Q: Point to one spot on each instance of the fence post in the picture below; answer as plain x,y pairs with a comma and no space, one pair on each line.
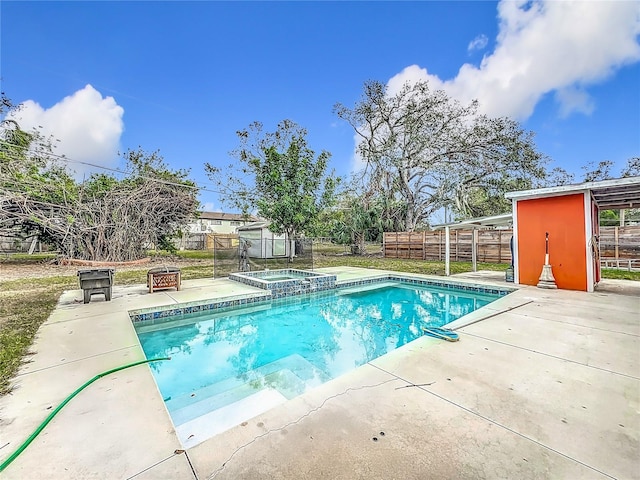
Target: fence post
384,243
214,259
396,244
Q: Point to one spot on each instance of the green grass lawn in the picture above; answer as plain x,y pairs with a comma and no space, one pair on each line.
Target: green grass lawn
186,254
13,258
620,274
401,265
25,304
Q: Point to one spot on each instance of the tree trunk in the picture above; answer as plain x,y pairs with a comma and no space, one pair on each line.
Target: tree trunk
410,217
288,238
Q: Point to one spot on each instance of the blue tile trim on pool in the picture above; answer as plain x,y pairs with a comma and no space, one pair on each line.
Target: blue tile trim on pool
301,281
427,282
160,313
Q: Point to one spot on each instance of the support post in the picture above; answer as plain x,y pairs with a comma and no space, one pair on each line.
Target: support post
474,249
447,250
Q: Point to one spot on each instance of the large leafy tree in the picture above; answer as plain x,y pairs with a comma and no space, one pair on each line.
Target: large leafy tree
363,213
278,176
104,218
632,168
602,171
437,151
595,173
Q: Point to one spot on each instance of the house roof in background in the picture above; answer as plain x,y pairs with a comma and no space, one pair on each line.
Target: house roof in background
255,225
616,194
235,217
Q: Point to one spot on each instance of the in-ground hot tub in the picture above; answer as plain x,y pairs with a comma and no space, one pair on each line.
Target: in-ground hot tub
288,281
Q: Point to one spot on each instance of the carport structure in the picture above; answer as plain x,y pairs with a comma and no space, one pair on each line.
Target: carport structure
503,220
570,215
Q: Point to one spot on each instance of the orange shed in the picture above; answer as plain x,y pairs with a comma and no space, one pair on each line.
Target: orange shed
570,215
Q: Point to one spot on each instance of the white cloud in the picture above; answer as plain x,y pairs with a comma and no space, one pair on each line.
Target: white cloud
412,74
574,99
478,43
544,47
85,127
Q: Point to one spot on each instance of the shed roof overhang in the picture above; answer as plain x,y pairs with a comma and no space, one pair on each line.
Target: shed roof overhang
504,219
253,226
616,194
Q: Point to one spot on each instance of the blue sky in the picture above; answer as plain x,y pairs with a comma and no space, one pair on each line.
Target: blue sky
182,77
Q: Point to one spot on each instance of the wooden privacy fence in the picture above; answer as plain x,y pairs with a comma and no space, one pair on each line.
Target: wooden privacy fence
620,242
222,240
494,245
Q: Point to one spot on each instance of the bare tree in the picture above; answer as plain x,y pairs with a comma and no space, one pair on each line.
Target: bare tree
102,219
436,149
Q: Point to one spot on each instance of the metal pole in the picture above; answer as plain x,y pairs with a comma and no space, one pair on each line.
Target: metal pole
447,251
474,248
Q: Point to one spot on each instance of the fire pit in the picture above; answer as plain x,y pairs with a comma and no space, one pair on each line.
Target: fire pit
161,278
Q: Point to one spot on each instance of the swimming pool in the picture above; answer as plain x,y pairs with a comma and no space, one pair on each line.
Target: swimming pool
230,365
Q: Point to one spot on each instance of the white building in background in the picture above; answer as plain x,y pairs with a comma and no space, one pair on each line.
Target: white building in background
219,222
264,243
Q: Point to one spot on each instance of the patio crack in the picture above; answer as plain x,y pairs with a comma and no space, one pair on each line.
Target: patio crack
175,453
294,422
496,423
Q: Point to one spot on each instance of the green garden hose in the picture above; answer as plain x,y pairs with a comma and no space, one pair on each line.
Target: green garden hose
26,443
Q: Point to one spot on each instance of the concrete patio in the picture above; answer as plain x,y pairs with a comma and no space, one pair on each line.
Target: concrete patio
543,384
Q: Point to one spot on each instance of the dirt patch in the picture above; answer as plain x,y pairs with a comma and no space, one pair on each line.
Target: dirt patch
95,263
16,271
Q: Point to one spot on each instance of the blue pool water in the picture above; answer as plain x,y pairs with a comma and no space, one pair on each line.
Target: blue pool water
261,355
